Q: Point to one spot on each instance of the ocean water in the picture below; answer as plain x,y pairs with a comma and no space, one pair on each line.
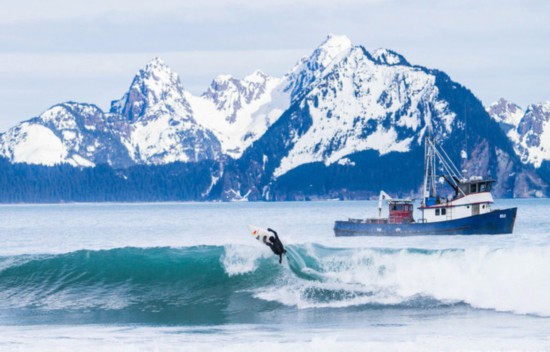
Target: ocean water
188,276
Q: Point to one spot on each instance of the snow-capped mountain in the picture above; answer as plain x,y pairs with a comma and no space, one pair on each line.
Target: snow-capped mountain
506,113
366,109
152,123
388,57
238,112
528,130
362,103
157,121
162,126
534,133
73,133
343,122
310,68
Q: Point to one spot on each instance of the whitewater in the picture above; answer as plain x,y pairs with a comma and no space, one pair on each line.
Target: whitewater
188,276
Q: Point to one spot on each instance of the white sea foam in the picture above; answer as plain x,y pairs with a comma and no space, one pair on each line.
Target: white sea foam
512,279
238,260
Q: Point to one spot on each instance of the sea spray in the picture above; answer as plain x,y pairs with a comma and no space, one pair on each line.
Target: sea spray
510,279
237,260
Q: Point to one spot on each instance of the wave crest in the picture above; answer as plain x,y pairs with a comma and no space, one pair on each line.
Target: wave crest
210,283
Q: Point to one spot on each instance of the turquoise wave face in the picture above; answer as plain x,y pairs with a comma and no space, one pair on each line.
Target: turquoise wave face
127,285
237,284
195,285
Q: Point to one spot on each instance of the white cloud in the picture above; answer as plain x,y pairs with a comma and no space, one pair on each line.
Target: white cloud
188,10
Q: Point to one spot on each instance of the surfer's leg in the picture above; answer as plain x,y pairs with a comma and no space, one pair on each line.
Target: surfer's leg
280,258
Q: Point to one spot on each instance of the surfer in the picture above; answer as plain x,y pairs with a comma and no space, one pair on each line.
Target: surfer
275,244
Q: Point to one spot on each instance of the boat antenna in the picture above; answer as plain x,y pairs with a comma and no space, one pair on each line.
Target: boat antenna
464,172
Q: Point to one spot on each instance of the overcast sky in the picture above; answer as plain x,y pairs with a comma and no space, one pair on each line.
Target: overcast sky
88,51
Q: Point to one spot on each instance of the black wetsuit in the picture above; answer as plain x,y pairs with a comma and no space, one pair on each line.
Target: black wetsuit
276,245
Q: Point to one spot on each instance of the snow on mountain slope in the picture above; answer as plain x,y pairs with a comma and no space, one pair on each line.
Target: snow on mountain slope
508,115
154,90
388,57
503,111
310,68
163,128
534,134
152,124
74,133
239,111
33,144
528,130
356,101
230,95
157,121
363,103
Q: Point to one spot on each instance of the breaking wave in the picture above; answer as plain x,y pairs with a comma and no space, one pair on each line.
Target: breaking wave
220,284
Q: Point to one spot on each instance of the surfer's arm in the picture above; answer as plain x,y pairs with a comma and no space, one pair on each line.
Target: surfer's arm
273,232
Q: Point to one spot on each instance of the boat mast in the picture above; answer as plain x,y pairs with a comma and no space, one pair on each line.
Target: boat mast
431,154
429,170
426,163
433,176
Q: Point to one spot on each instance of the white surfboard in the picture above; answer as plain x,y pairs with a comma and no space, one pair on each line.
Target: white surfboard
260,234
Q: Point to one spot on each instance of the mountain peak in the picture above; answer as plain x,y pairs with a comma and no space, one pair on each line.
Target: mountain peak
534,134
152,85
156,67
502,102
230,95
158,70
336,42
506,112
545,106
310,68
155,62
389,57
258,76
223,78
330,48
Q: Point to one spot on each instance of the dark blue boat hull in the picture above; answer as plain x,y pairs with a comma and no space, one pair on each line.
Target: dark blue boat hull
497,222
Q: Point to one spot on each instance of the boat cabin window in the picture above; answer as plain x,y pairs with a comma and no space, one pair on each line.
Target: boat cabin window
443,211
401,207
485,187
437,212
475,187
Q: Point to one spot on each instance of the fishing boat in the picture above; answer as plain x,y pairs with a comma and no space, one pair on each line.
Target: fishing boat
467,210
